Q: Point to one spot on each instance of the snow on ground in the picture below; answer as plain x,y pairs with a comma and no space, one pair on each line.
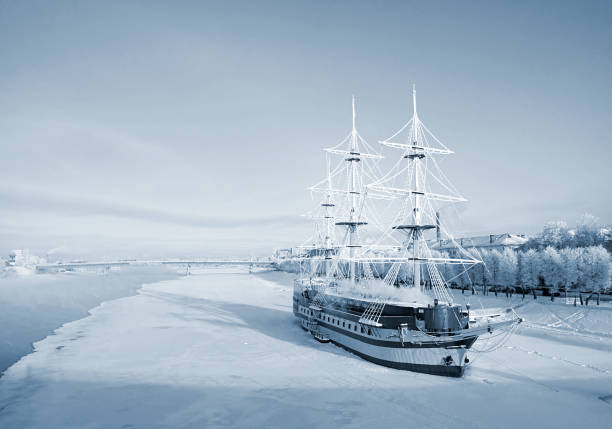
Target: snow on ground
223,350
33,305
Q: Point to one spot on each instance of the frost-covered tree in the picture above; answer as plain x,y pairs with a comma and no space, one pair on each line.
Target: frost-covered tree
477,272
594,268
528,269
588,232
492,260
570,259
555,234
508,268
551,268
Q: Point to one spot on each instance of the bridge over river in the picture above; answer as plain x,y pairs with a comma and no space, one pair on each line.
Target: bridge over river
69,266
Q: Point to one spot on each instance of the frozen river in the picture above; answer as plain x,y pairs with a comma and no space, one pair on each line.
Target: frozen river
33,306
222,349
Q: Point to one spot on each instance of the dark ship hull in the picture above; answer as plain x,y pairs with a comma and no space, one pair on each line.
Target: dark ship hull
427,339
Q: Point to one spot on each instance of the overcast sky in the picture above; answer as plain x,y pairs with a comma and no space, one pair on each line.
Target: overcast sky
139,129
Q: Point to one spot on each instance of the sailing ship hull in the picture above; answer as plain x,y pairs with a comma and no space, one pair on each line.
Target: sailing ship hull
423,360
410,350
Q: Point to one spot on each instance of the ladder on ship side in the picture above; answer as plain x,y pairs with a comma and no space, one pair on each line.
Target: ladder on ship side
372,313
320,300
313,322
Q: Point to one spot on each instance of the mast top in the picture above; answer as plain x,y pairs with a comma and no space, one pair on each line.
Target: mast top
354,114
414,100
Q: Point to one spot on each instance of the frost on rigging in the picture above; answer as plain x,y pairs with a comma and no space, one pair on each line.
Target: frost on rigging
371,279
388,220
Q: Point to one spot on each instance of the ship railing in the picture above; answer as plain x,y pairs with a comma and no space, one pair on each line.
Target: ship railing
489,327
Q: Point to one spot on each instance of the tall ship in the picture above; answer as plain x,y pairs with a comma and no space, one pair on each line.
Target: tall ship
369,280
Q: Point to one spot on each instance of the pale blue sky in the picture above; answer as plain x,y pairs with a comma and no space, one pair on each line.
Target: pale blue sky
192,128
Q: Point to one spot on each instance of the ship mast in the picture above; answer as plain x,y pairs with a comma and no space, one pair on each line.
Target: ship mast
414,228
417,213
417,157
329,221
350,214
353,194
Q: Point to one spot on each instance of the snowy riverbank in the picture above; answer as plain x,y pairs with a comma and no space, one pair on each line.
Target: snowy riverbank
33,305
215,349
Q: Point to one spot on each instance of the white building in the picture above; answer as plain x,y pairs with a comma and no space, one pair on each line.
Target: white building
488,242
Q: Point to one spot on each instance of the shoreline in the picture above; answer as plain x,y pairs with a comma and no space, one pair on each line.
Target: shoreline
34,307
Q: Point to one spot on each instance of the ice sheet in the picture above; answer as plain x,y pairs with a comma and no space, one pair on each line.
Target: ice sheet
224,350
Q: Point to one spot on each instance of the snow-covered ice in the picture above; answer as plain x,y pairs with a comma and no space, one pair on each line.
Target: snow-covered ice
223,350
33,305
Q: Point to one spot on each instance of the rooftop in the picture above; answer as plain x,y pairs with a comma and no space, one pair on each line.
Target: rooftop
493,240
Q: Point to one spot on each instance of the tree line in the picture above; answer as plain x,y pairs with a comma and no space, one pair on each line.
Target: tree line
558,259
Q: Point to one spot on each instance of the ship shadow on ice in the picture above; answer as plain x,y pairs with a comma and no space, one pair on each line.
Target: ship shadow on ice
278,324
274,323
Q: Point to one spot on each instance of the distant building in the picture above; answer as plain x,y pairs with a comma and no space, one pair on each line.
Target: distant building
17,258
488,242
302,252
283,253
22,258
